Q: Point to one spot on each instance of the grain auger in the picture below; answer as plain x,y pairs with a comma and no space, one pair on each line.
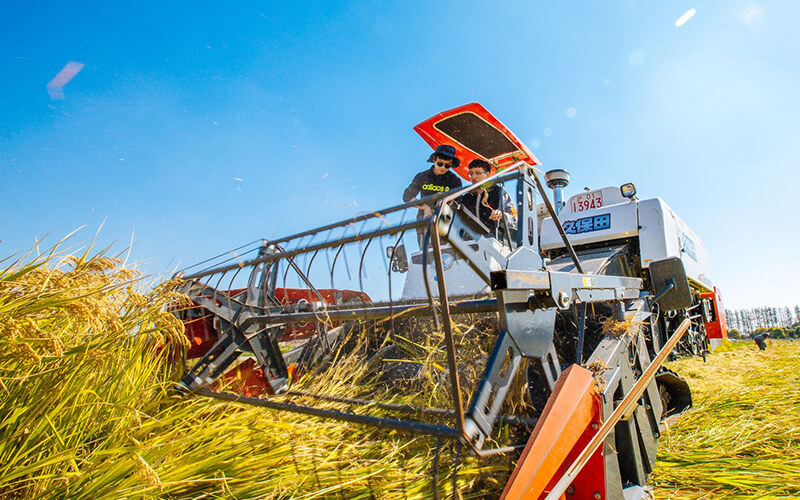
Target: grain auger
586,327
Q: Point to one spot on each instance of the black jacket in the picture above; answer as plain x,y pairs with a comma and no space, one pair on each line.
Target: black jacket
426,183
498,199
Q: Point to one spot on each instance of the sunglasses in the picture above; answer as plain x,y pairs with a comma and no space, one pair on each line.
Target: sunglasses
440,163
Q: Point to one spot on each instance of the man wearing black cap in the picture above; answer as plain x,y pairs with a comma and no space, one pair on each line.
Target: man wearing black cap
489,202
435,180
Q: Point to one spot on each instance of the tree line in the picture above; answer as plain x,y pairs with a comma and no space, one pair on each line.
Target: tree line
779,322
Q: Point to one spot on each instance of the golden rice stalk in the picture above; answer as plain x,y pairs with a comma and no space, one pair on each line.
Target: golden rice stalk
628,327
88,356
741,438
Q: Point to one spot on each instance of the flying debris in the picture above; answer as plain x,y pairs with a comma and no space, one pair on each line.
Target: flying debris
685,17
55,87
636,57
752,14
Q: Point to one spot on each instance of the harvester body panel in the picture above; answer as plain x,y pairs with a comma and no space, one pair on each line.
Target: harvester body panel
717,324
461,279
659,231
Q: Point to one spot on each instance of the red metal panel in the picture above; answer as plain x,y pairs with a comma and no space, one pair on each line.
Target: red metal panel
717,329
567,424
435,137
198,323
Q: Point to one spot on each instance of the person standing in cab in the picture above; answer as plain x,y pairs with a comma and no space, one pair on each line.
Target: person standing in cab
489,202
435,180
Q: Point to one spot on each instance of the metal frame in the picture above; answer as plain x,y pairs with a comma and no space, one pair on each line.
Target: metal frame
526,297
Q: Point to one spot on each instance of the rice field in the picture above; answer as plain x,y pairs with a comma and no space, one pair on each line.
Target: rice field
88,357
742,439
89,353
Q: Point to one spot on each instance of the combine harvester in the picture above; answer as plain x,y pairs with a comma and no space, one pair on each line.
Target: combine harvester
589,298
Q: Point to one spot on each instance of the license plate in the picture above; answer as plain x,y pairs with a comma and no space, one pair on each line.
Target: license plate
586,201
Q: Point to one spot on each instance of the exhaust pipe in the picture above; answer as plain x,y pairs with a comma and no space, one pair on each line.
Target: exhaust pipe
557,180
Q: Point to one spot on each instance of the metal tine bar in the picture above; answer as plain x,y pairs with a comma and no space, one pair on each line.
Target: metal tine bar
218,287
333,267
311,239
287,309
264,285
347,264
380,310
208,280
314,256
304,257
341,248
384,259
403,215
500,177
310,286
328,260
361,265
405,408
360,230
389,278
220,255
302,277
234,256
291,253
382,220
359,218
391,260
431,301
410,426
361,252
230,288
201,283
452,362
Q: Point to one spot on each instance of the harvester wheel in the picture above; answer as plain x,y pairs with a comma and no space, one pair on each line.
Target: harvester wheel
676,396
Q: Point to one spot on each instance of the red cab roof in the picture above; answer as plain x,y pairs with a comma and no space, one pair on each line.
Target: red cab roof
475,133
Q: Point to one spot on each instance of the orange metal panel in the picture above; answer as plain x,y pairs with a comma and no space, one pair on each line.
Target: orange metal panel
563,428
717,329
435,137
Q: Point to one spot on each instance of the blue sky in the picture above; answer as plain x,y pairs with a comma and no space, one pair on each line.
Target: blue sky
311,105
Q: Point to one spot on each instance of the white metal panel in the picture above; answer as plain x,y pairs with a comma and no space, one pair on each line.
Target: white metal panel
663,234
590,226
610,195
460,279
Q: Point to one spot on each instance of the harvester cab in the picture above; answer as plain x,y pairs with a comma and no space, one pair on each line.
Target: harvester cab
584,319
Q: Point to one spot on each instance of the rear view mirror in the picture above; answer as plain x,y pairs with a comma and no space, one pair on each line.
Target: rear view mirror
671,288
398,258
